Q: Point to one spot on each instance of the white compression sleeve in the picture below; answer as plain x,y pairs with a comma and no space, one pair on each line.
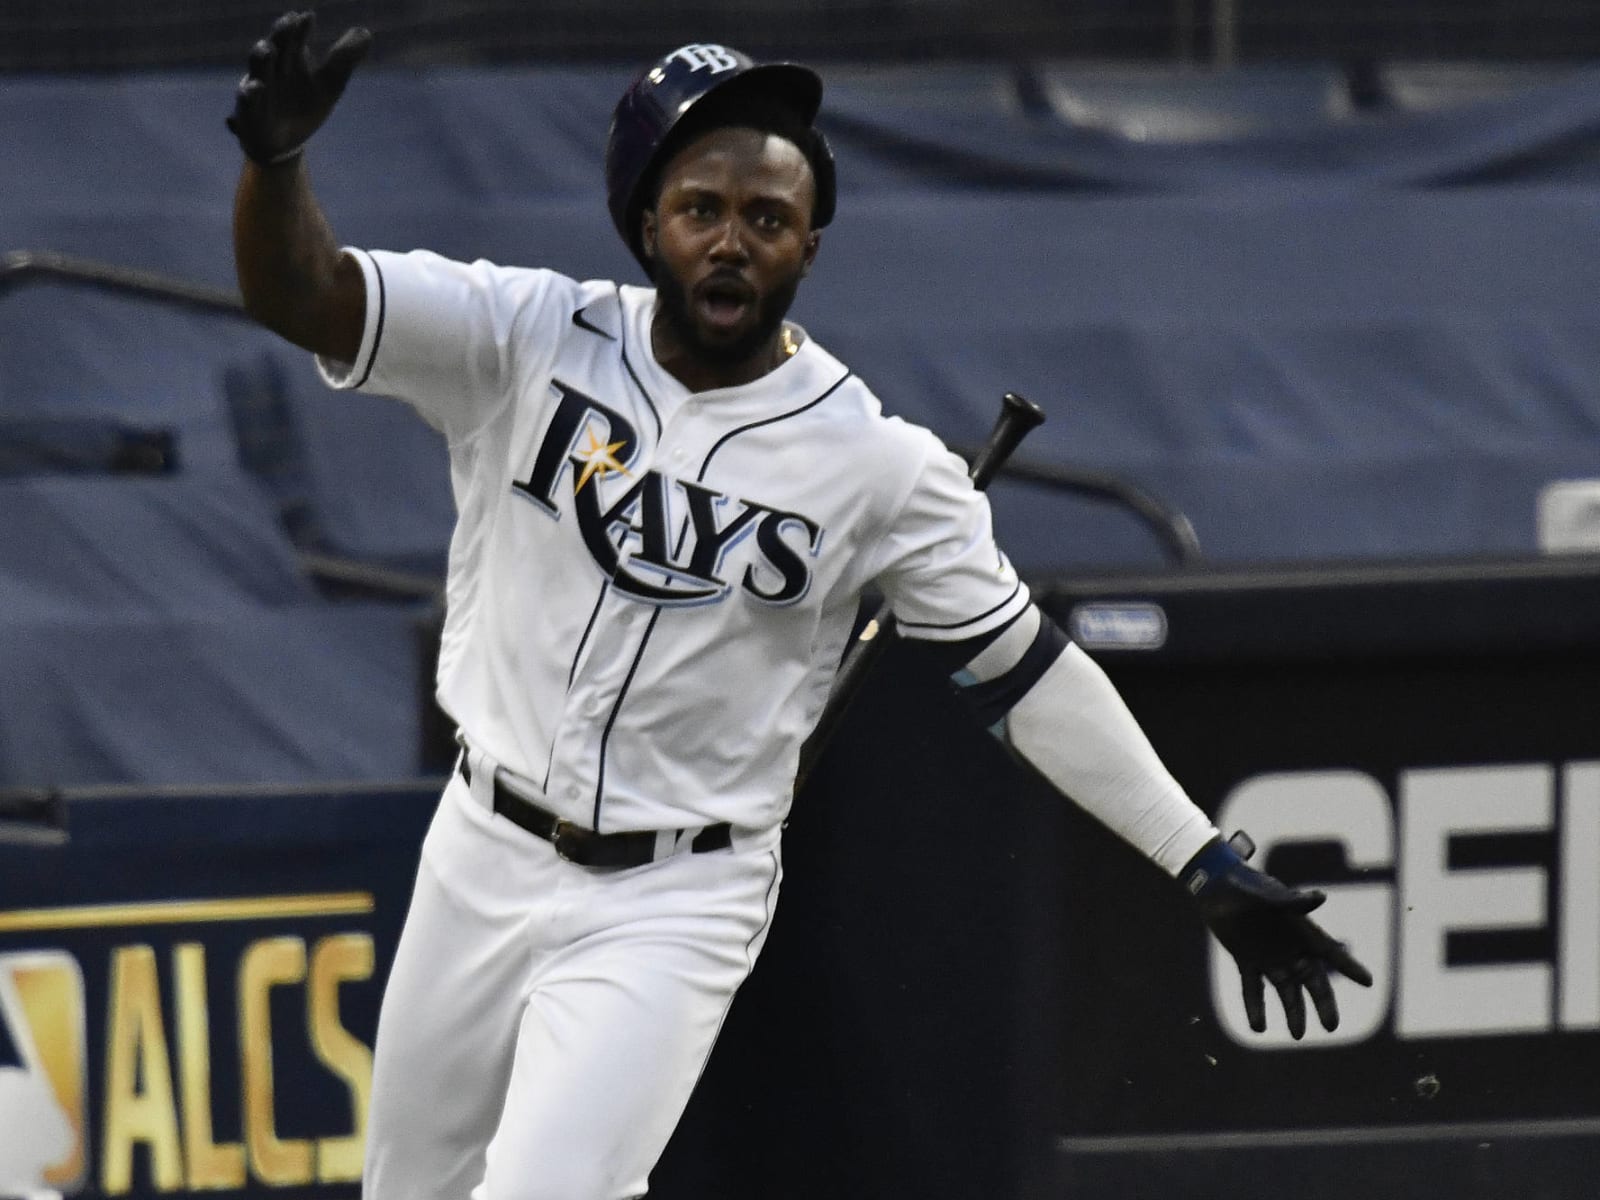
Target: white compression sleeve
1075,728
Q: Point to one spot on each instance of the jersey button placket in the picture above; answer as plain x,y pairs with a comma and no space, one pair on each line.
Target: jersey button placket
594,693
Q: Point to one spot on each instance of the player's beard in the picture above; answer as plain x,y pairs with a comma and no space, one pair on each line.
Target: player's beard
672,301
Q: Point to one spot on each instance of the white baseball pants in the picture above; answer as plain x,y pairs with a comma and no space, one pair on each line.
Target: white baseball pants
544,1023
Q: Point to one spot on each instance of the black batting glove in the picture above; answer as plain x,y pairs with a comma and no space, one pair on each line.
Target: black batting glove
1264,925
286,94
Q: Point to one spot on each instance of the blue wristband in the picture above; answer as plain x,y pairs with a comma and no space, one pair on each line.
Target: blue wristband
1215,860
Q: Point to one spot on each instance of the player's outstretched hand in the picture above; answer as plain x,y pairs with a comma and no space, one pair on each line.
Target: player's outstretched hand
1263,924
286,94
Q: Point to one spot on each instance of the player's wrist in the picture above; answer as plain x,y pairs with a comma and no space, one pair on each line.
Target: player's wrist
1215,861
272,162
261,148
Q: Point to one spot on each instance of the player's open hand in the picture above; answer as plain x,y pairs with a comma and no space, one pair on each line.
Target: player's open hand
1263,924
286,93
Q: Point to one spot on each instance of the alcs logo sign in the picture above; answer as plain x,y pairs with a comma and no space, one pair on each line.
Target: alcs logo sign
149,1112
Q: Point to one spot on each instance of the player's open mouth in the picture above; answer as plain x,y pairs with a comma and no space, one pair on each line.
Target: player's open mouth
724,303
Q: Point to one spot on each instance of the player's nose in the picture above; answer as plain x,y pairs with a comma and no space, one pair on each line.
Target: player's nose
728,245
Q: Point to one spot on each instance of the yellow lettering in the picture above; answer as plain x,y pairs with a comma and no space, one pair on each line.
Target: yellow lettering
138,1104
270,963
212,1166
335,960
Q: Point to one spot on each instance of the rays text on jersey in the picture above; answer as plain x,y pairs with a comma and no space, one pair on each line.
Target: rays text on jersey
630,536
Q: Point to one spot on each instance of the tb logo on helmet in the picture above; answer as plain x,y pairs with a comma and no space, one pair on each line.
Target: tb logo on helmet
705,56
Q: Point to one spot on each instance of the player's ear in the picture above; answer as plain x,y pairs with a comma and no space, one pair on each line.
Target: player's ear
813,244
647,232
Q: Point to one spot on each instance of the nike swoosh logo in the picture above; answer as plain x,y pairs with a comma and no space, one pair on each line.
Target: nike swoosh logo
583,322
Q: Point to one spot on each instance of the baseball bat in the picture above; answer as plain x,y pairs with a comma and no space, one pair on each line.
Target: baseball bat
1018,416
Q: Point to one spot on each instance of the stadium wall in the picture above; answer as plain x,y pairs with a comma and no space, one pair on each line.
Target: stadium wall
970,988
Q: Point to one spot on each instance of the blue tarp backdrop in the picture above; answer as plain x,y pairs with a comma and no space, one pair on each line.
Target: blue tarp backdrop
1329,335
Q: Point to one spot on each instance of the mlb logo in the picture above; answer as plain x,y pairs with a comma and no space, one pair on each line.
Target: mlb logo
43,1142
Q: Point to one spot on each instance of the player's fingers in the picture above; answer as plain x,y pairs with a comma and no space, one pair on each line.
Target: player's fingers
260,63
1294,1005
1322,997
1255,999
291,34
251,90
343,58
1339,957
1336,954
291,29
1305,902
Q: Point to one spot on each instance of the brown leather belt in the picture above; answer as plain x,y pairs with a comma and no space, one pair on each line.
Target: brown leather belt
586,847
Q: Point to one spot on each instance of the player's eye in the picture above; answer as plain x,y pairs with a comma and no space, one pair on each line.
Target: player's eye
769,220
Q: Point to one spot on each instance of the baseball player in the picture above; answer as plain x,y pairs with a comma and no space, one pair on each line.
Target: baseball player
670,501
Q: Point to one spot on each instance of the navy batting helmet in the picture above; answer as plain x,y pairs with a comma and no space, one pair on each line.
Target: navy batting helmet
654,104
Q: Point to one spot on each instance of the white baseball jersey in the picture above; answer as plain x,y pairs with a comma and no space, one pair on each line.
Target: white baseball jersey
650,589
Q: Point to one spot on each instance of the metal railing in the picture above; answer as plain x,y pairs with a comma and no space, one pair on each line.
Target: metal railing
29,266
1172,530
339,573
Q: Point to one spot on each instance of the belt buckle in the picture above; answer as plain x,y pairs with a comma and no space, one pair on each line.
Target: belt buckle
558,831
